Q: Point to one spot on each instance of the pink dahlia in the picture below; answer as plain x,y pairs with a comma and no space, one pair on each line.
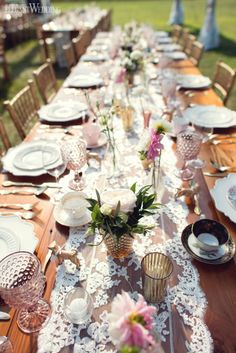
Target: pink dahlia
131,322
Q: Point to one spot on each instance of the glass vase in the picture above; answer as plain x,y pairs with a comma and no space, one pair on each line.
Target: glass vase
112,161
156,179
119,248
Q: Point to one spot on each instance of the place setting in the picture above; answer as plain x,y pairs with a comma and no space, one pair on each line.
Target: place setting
84,81
59,112
193,81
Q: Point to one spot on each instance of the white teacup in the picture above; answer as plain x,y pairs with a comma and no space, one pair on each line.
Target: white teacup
74,203
91,133
209,235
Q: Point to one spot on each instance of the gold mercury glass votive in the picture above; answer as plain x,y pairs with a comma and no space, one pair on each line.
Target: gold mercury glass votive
156,270
127,117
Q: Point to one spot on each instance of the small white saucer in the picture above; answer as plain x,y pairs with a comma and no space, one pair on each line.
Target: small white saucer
63,217
101,142
209,255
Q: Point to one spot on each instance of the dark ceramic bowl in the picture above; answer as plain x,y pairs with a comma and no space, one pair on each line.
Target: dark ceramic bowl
209,234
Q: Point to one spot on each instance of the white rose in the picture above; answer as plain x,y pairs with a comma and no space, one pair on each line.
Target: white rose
106,210
126,197
136,55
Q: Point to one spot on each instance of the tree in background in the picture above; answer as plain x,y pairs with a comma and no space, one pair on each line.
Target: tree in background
177,13
209,35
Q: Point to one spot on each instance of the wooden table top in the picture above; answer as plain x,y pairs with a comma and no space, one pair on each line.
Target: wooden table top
218,282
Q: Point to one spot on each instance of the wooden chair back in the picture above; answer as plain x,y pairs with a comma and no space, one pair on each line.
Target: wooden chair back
223,80
184,37
46,81
69,53
6,144
23,108
176,33
81,43
196,53
189,43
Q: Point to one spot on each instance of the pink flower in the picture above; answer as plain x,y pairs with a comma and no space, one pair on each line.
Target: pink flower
131,322
121,76
155,146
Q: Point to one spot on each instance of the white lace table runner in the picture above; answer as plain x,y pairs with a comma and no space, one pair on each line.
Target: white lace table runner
101,274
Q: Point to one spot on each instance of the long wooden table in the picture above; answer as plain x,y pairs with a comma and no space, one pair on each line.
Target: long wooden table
218,282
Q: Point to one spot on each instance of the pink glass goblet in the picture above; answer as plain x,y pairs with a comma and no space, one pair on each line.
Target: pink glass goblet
75,154
188,147
21,286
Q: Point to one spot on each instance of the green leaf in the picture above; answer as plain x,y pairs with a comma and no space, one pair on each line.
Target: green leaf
98,197
133,187
117,210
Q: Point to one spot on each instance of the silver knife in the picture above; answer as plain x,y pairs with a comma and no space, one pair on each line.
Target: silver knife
215,174
4,316
7,183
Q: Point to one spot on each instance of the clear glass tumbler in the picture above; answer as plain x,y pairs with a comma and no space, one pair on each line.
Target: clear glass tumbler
78,305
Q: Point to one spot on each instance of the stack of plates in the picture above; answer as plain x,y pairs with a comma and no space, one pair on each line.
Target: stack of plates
210,116
16,235
84,81
193,81
164,40
224,195
169,47
63,111
94,57
27,158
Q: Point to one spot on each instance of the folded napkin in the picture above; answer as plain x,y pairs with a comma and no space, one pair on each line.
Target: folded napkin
224,152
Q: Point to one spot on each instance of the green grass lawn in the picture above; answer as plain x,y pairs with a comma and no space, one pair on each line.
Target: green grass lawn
25,58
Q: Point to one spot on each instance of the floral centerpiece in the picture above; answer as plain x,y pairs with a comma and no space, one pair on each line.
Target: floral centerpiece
131,324
117,215
132,62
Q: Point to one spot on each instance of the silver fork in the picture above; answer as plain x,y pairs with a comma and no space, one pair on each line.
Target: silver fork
24,215
24,206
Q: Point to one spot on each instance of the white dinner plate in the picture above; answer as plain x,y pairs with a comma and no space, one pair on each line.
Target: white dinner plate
193,81
26,158
176,55
165,40
168,47
63,111
223,194
84,81
94,57
25,231
9,242
161,34
210,116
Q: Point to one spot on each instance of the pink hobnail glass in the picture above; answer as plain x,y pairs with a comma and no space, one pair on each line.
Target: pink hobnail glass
21,286
188,147
75,154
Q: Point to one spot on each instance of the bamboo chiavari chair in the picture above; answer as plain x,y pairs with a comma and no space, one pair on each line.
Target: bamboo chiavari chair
223,80
184,37
189,43
69,55
196,53
81,43
46,81
23,108
4,138
107,21
176,33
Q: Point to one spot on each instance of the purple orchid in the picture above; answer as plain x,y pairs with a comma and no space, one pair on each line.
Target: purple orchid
155,146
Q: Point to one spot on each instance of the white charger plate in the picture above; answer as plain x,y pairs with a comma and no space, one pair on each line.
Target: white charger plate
84,81
25,232
62,112
193,81
165,40
210,116
11,159
94,57
176,55
221,196
9,242
169,47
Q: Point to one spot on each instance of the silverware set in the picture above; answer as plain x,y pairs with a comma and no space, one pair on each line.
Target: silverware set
25,215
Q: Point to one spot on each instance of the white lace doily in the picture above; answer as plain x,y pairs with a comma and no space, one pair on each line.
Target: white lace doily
103,276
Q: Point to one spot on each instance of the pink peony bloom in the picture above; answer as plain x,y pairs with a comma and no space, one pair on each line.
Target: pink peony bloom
155,146
131,322
121,76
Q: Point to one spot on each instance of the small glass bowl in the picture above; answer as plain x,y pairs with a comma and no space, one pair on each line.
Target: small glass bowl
78,305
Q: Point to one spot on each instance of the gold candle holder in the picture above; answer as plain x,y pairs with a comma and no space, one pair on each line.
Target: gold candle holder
127,117
156,270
